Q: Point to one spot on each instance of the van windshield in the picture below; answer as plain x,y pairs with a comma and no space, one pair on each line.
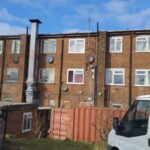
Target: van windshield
135,122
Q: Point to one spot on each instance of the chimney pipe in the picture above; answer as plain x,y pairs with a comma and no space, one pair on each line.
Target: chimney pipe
31,89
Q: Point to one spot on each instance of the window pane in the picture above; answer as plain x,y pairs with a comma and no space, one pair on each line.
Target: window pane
118,79
135,122
49,46
149,43
45,46
108,77
148,77
29,124
112,44
1,47
51,76
70,76
140,79
76,45
12,74
141,72
25,122
52,46
118,45
78,78
141,44
15,48
79,45
47,75
72,46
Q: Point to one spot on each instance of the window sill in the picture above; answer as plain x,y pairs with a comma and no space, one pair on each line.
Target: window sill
75,83
115,84
14,53
45,83
11,81
142,85
115,52
24,131
142,51
48,52
76,52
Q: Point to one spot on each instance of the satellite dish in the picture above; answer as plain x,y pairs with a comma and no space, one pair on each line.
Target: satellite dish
90,59
50,59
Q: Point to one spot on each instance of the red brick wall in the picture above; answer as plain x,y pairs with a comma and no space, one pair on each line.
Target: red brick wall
14,90
15,120
120,94
76,93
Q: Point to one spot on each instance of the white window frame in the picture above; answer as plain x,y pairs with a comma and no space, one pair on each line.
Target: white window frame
146,74
48,69
15,49
9,69
42,46
113,73
1,46
147,41
29,116
115,38
74,69
76,52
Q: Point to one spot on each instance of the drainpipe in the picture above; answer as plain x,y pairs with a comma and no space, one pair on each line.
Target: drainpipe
3,66
130,71
60,75
31,89
96,67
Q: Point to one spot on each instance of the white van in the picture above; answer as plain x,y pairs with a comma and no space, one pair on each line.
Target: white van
133,131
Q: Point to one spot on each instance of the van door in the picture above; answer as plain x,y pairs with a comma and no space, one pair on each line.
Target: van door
135,127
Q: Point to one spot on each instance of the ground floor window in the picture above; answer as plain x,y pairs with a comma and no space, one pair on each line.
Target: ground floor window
12,75
142,77
47,75
114,76
26,124
75,76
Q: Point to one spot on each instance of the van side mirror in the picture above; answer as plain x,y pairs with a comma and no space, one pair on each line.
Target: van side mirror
115,123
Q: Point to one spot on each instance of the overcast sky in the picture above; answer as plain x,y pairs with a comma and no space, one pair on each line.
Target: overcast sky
61,16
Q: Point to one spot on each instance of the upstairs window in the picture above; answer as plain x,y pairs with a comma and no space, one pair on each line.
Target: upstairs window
143,44
12,75
47,75
15,47
75,76
115,45
27,119
76,46
1,47
142,77
114,76
49,46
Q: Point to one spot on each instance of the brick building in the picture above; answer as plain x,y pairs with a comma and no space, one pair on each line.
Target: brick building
127,66
13,67
104,68
71,72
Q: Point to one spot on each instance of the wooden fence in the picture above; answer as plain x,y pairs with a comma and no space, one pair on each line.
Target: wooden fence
83,123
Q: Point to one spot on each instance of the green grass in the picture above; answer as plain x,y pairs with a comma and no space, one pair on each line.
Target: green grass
48,144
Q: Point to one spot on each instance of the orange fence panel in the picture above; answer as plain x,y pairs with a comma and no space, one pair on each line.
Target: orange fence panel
82,123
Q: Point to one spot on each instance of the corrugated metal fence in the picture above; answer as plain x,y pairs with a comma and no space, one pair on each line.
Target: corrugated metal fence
83,123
